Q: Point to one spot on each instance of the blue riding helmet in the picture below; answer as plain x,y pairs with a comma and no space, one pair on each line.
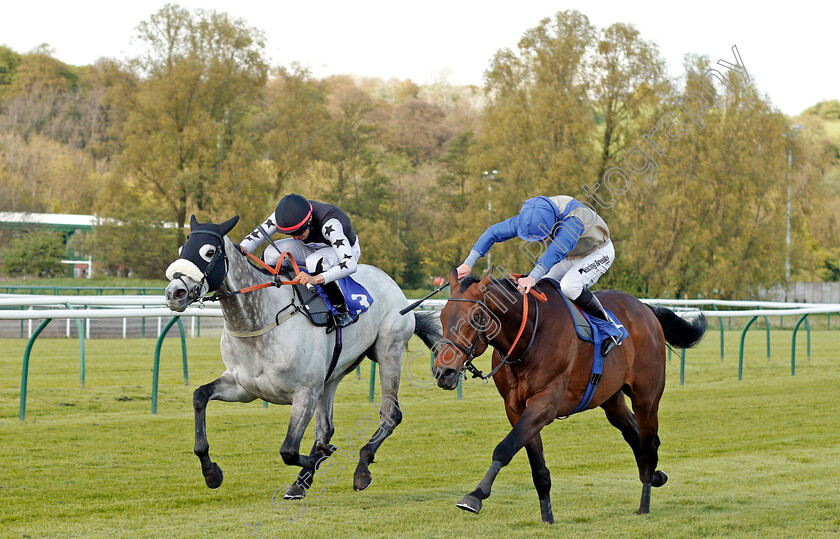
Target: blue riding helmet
537,219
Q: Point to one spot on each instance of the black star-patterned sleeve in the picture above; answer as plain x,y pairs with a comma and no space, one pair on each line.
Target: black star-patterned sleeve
333,232
255,238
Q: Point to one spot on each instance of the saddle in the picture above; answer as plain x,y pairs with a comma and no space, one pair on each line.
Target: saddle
592,330
314,304
318,306
584,324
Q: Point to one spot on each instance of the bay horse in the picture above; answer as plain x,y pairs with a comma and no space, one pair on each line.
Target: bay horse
546,370
272,352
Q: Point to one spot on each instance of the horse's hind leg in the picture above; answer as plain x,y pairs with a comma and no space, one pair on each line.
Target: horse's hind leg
321,449
542,477
225,389
620,417
390,363
646,409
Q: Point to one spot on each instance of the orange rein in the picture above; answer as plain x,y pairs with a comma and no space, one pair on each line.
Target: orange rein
274,271
538,295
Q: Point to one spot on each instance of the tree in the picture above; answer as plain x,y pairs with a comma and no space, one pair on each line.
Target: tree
417,130
827,110
136,241
539,128
39,68
35,253
199,74
628,81
43,175
351,153
9,61
455,226
715,209
295,123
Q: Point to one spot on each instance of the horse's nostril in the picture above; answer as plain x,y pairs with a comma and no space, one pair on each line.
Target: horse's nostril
180,293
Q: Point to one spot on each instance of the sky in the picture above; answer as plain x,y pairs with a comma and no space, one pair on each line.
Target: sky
790,52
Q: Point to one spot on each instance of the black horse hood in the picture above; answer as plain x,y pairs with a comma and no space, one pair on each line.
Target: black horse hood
202,256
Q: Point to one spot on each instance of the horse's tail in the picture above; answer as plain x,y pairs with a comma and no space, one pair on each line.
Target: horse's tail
678,331
427,326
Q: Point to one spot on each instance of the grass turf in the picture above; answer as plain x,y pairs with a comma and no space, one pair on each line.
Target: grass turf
755,458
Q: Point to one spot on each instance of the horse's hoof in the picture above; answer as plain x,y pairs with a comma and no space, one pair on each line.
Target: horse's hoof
659,478
643,511
215,477
361,481
295,492
470,503
546,512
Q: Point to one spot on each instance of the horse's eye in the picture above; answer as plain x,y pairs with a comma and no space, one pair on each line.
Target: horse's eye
207,252
477,317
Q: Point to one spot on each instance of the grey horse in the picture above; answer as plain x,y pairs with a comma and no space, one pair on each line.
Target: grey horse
272,352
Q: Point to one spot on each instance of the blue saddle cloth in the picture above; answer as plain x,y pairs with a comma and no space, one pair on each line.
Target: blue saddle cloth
596,331
356,296
589,328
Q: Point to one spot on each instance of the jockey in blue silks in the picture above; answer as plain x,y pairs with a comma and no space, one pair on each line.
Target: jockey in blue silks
578,250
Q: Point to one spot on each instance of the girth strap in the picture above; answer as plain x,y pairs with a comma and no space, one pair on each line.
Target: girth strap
336,353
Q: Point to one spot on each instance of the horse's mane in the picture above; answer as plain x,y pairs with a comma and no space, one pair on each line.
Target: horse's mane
468,281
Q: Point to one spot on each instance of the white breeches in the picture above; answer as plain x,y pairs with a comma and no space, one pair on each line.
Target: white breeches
579,273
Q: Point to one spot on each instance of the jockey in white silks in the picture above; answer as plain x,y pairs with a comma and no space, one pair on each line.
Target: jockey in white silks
579,250
321,235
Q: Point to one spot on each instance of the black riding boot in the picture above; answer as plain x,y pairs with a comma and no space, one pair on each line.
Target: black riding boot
591,306
343,317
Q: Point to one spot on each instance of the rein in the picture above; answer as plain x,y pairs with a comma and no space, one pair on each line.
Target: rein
195,295
275,271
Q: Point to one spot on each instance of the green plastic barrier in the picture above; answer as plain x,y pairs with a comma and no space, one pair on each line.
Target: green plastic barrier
372,380
156,368
793,343
721,332
741,352
24,377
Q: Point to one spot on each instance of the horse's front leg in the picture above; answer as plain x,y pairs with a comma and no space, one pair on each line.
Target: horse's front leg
542,477
225,389
303,407
321,449
538,413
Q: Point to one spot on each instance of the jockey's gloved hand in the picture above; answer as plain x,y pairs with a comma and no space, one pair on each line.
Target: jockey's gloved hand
239,249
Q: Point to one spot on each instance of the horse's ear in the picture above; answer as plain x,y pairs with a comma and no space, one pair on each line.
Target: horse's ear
453,279
228,225
193,221
485,280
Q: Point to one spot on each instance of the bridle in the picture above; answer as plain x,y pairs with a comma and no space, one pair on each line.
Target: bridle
481,331
196,293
